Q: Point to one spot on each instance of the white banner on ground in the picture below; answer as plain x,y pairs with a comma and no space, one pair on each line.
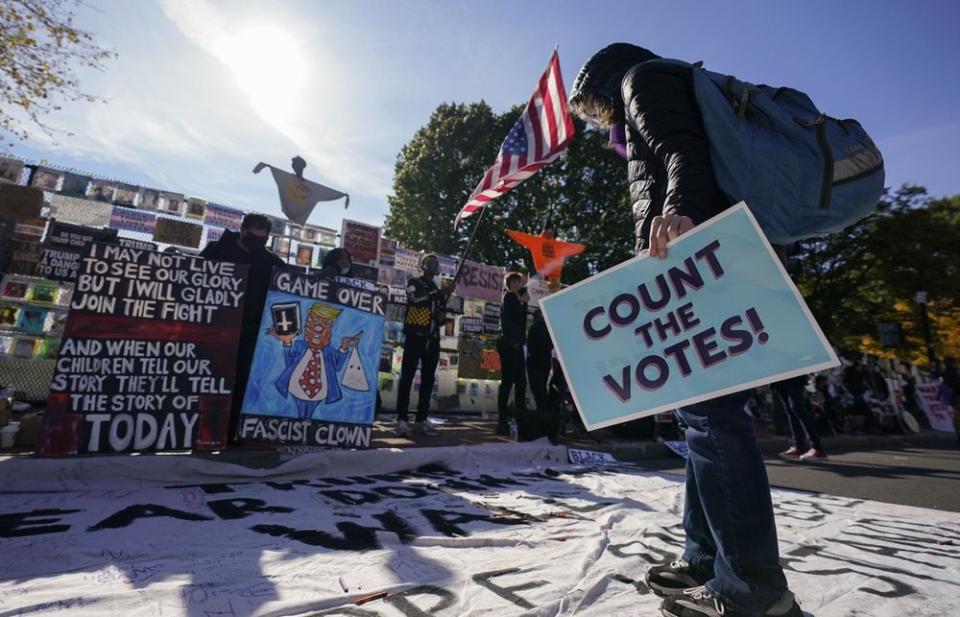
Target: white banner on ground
449,533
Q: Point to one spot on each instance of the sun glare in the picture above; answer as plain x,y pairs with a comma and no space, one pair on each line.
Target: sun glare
268,66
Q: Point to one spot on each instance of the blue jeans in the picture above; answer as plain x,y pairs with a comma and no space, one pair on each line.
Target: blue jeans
728,514
803,428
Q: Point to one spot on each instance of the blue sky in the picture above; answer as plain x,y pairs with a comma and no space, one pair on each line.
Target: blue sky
203,90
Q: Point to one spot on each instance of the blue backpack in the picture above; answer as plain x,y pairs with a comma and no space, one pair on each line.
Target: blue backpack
802,173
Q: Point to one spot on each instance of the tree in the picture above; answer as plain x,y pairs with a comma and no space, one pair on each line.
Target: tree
40,50
870,272
583,193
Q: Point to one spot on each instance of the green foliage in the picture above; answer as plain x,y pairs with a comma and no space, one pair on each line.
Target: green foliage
583,193
870,272
39,50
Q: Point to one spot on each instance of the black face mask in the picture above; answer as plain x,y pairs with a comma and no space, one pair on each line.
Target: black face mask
255,243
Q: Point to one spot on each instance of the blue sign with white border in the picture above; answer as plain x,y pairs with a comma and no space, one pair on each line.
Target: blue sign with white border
718,315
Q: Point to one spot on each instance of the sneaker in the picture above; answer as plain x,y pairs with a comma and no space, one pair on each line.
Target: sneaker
424,428
402,428
793,453
814,455
672,578
701,602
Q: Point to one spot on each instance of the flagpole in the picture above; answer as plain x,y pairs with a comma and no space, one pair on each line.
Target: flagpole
466,249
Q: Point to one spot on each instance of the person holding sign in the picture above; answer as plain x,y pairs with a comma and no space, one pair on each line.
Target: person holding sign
421,346
513,328
249,246
312,365
731,563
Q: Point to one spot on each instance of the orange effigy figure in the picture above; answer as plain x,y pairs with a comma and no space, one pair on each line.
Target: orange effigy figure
548,252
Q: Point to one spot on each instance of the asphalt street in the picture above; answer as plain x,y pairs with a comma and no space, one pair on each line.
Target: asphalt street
926,477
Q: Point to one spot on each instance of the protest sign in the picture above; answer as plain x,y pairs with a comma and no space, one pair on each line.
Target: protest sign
46,178
149,199
481,281
313,380
478,357
471,325
938,413
491,318
180,233
101,190
74,185
10,169
407,259
132,220
388,252
222,216
147,359
361,240
65,246
20,202
717,316
196,208
125,195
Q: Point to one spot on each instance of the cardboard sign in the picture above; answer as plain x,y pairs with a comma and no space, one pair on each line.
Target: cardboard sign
362,240
717,316
132,220
180,233
481,281
64,249
313,380
939,414
147,360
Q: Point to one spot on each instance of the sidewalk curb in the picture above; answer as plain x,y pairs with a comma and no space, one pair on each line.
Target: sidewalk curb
645,451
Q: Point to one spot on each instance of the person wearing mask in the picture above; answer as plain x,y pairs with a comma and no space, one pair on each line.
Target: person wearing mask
513,336
421,345
731,562
337,262
539,348
249,247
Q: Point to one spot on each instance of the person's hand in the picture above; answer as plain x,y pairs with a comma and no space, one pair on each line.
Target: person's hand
286,339
665,228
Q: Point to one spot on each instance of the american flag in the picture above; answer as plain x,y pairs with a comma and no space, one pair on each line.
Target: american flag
539,136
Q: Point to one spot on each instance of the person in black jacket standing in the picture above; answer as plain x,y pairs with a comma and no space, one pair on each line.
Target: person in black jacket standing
513,336
421,345
731,563
539,348
249,247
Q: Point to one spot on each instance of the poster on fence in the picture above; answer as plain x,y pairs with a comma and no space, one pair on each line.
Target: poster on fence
313,381
718,315
147,359
478,357
128,219
180,233
361,240
938,413
64,249
217,215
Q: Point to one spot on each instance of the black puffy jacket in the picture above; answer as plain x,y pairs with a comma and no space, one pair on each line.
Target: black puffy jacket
668,154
